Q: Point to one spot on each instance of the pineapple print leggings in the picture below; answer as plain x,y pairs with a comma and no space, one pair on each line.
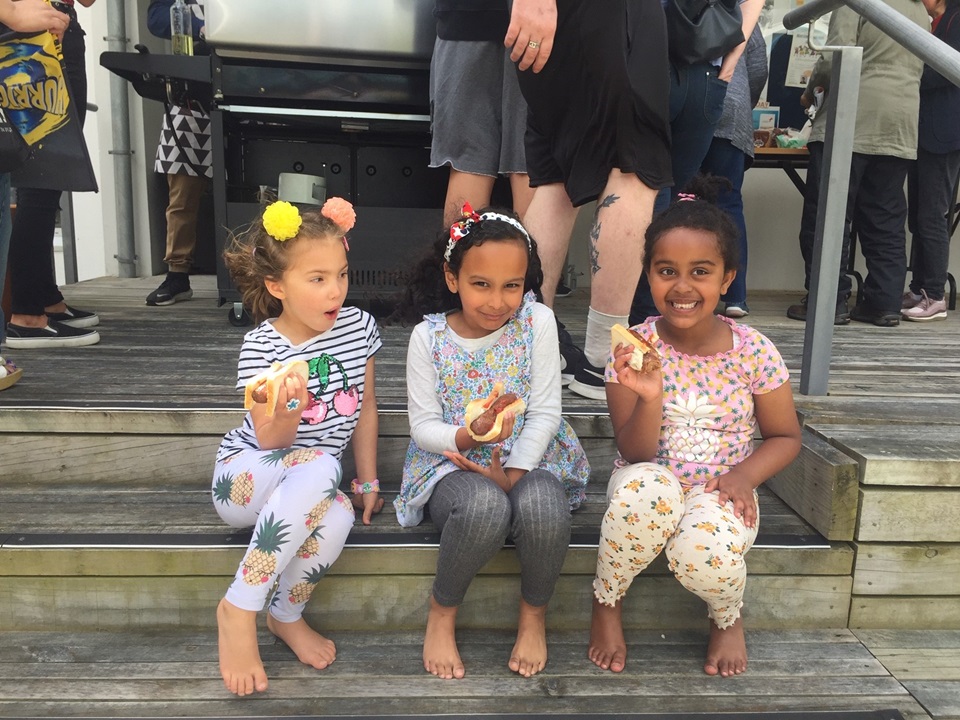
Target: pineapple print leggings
301,522
650,511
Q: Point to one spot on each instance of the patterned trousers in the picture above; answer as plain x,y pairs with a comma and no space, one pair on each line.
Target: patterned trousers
300,520
650,512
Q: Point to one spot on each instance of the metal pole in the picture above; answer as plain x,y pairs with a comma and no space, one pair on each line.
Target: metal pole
120,123
831,220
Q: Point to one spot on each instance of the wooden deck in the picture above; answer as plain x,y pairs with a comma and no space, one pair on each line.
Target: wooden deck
111,558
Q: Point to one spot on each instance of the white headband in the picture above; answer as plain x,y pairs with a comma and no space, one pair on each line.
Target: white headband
462,227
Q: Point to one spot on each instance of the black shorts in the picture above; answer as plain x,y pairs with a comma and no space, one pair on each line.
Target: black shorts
602,101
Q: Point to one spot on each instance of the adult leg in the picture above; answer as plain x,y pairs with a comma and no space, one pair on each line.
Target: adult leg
465,187
706,554
696,104
186,192
285,506
936,180
540,528
473,516
725,160
881,214
32,282
645,502
549,220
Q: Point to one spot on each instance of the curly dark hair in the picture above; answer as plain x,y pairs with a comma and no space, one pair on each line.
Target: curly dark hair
427,290
700,213
253,256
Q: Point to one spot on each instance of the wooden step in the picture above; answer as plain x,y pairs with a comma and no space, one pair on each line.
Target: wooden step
379,674
108,522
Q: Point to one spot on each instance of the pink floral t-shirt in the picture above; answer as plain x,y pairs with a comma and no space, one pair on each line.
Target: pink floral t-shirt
708,410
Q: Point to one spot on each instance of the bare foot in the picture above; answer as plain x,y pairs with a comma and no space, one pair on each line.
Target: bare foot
608,649
529,655
240,663
440,654
727,651
310,647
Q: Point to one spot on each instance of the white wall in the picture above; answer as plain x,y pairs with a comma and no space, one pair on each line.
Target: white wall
95,224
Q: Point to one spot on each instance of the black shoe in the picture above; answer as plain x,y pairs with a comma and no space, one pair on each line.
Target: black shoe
54,335
562,290
75,318
571,357
588,382
799,312
865,314
174,288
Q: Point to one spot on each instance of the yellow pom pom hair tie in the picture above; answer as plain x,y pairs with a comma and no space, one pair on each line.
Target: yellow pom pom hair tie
282,221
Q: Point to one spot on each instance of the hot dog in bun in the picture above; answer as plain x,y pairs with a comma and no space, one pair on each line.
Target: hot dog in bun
265,387
484,417
644,358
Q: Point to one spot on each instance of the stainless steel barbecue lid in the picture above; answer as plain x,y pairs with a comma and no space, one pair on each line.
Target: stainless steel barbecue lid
401,29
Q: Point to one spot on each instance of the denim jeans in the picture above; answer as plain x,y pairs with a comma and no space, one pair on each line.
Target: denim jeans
727,161
696,104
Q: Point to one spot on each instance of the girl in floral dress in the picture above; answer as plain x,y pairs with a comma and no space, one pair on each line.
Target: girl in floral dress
280,474
487,328
686,477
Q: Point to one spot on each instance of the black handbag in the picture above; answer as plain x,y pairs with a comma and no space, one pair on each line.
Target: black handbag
701,30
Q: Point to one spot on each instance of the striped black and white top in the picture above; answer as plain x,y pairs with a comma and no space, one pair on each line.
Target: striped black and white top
337,360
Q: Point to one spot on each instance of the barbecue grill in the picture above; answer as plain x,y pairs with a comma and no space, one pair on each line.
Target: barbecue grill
328,88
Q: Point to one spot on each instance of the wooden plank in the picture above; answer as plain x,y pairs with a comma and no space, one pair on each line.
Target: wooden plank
358,603
922,455
915,569
549,699
908,664
942,699
906,613
187,562
879,639
902,515
821,486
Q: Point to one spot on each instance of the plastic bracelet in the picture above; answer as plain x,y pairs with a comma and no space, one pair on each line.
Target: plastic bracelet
364,488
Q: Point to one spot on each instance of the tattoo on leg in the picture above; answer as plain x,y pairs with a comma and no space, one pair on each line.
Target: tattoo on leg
608,201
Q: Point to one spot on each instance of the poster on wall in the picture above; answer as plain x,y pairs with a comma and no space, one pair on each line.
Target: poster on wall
801,62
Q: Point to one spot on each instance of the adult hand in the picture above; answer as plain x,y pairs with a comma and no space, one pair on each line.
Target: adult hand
735,489
370,503
533,25
648,386
34,16
495,473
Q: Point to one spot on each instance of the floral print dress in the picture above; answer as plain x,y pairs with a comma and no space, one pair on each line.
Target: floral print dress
463,376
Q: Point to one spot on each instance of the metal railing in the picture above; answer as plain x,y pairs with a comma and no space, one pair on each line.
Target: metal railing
839,131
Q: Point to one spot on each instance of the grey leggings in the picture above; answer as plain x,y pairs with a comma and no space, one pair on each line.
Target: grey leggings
475,517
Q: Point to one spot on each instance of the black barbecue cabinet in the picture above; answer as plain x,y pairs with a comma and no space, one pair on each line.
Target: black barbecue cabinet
328,88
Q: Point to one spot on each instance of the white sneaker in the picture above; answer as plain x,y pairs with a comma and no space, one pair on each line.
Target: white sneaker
926,309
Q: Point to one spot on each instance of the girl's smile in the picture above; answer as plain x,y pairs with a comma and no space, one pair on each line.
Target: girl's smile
687,277
490,285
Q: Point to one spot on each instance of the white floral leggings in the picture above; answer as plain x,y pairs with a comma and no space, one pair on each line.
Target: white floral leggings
301,522
650,511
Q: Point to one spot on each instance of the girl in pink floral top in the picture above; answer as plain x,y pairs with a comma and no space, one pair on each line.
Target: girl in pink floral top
685,482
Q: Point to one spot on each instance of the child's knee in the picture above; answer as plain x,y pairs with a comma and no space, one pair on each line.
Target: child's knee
646,488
